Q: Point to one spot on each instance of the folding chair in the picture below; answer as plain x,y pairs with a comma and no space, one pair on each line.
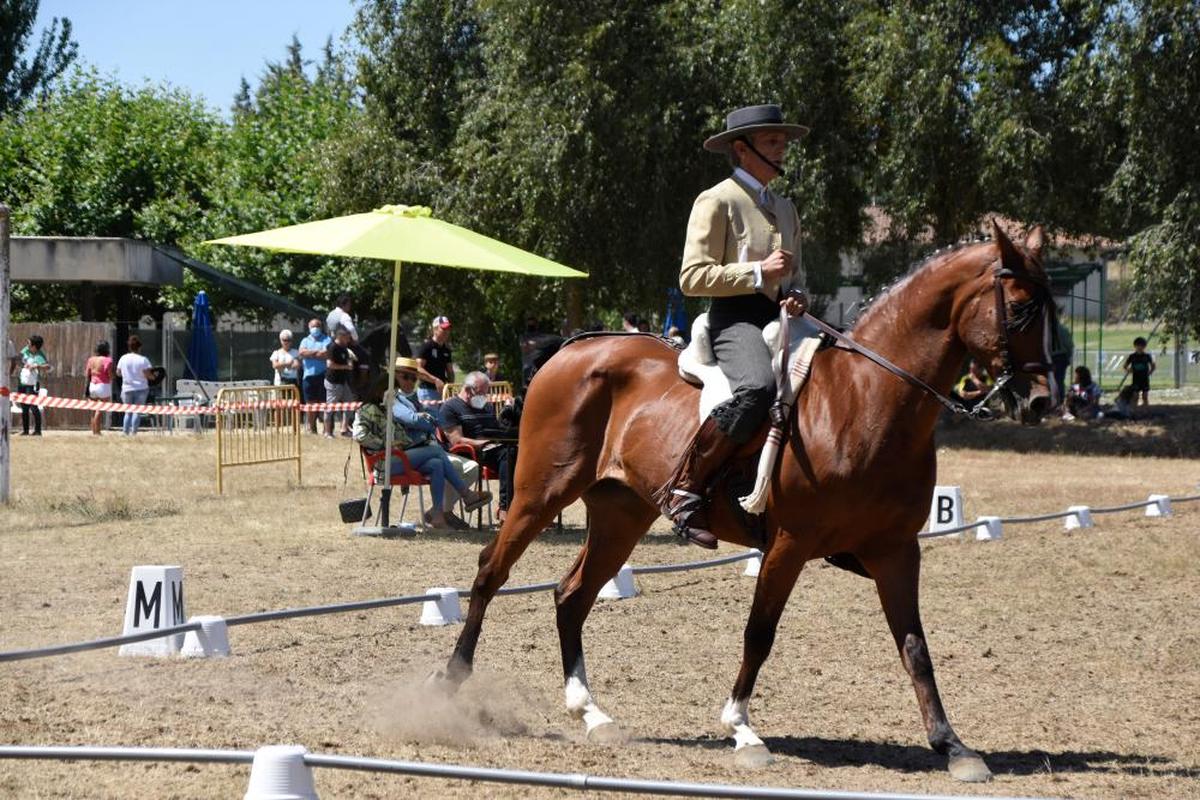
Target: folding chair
409,477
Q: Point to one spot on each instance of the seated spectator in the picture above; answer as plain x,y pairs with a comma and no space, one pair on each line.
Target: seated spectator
340,366
491,367
1123,405
412,432
286,361
468,418
1083,400
974,386
435,358
675,336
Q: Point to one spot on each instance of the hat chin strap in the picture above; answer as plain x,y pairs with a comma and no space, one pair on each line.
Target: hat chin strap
779,170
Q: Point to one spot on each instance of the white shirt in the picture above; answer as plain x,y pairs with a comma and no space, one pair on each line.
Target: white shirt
282,356
132,367
338,317
764,198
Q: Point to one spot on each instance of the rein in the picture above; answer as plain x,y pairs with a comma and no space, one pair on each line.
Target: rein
981,410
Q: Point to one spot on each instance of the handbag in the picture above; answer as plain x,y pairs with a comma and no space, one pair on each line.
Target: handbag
354,510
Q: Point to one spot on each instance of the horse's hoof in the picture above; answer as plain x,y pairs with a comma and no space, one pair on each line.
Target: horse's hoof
441,683
969,769
607,733
752,756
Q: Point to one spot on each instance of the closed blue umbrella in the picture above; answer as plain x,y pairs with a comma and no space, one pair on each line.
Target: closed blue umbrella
676,316
202,348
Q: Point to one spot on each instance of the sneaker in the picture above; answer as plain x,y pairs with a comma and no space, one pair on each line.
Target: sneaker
329,436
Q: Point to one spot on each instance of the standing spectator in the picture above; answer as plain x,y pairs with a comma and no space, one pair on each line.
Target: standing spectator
135,371
1139,365
1083,401
340,366
491,367
99,372
286,361
1060,358
314,350
630,322
435,357
33,366
340,317
468,418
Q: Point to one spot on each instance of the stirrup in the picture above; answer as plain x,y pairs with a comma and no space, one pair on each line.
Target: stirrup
681,514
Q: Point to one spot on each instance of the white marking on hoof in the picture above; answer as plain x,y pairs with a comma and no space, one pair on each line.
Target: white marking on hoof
735,719
607,733
969,769
754,756
581,705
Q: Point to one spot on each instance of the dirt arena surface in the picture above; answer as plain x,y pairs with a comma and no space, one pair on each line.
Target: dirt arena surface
1070,661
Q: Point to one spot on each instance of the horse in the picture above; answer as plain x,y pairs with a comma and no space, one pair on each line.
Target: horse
607,418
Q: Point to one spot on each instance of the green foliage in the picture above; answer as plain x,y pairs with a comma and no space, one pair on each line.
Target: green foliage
21,76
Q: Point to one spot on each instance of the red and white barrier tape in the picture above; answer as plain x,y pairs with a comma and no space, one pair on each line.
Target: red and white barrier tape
72,404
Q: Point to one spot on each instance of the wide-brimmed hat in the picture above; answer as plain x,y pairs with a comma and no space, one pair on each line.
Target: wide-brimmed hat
405,364
752,119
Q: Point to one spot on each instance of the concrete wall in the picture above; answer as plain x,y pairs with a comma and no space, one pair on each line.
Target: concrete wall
64,259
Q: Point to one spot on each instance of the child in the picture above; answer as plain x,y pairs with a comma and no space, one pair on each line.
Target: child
1139,365
33,366
1083,400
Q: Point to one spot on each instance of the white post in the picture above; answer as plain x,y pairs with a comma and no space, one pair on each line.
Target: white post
446,610
1080,517
5,403
946,509
621,586
279,773
988,529
1161,506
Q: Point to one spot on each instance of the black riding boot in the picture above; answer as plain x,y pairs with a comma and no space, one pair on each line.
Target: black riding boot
683,500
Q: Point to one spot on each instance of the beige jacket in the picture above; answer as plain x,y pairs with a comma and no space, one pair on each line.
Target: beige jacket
728,232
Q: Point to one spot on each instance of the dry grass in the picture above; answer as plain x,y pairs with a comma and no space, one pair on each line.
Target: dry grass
1071,661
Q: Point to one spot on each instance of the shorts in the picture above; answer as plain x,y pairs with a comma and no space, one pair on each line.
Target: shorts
338,393
100,391
1140,384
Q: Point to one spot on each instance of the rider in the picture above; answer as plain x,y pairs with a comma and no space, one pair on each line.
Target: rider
740,251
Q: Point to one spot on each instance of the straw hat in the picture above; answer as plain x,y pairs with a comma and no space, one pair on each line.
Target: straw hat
405,364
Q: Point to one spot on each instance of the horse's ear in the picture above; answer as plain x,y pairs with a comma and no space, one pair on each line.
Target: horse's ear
1010,257
1035,242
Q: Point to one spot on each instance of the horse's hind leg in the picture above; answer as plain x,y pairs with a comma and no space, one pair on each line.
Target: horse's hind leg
618,518
896,578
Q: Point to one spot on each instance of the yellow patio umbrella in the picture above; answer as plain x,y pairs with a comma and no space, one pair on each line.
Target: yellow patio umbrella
402,233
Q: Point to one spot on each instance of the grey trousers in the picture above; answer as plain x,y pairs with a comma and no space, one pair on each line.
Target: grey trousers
746,361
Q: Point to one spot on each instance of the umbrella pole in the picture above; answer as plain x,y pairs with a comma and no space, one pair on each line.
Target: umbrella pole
386,494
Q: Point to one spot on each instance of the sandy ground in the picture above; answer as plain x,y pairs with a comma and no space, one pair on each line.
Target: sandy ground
1072,661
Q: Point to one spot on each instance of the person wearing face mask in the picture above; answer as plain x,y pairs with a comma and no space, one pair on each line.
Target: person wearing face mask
314,350
468,418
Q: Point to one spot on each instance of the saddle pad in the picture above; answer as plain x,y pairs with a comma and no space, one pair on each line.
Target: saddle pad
698,366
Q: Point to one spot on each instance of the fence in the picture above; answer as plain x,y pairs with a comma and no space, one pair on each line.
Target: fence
257,425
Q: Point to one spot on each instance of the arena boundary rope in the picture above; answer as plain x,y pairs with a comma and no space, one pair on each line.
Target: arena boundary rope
432,596
290,775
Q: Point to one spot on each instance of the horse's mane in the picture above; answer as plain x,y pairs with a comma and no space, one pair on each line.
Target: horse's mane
870,306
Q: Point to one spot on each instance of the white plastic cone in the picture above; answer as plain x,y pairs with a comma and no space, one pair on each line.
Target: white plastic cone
212,640
443,611
1161,506
620,587
279,773
988,529
1081,517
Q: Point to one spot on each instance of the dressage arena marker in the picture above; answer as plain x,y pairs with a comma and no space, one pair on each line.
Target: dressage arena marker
257,435
620,587
984,523
1160,506
155,601
287,774
1080,517
445,610
211,640
946,508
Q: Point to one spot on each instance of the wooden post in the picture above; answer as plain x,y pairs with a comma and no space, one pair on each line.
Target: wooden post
5,403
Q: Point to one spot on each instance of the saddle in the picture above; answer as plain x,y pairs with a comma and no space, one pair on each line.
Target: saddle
792,343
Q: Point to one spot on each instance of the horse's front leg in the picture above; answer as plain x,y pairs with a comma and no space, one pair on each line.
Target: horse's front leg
780,568
897,575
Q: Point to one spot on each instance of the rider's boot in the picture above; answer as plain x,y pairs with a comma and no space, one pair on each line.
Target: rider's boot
684,500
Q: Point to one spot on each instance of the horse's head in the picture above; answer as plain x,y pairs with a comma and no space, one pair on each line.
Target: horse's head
1009,323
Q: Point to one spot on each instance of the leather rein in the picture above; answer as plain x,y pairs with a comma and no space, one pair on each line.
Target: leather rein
980,410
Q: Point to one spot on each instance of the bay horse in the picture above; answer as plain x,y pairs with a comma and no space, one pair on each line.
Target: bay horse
607,418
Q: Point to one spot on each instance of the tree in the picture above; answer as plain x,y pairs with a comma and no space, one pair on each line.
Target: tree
97,159
21,77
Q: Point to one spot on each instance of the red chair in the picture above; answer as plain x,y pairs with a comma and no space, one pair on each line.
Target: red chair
486,474
409,477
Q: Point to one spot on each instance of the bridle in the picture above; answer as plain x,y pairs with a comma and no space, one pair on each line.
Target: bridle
1023,316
